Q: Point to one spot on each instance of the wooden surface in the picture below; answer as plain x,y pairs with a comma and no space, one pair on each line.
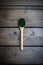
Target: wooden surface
21,2
30,55
32,17
11,36
10,12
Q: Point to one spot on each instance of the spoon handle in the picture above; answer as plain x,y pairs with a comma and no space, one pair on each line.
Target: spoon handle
21,40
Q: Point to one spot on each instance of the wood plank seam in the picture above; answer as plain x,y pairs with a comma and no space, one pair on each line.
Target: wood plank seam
18,27
19,45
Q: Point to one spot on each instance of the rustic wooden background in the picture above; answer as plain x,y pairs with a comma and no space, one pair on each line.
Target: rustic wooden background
10,12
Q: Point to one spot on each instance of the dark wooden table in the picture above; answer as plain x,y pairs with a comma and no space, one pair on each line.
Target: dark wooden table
10,12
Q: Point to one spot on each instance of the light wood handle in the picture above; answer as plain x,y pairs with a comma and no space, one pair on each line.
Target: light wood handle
21,40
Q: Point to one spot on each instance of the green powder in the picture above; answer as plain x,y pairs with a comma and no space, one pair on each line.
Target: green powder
21,22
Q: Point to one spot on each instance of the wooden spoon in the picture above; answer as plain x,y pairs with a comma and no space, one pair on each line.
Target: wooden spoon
21,26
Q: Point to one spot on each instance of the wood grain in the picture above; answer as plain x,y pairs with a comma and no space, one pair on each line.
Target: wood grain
10,12
21,2
11,17
30,55
11,36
